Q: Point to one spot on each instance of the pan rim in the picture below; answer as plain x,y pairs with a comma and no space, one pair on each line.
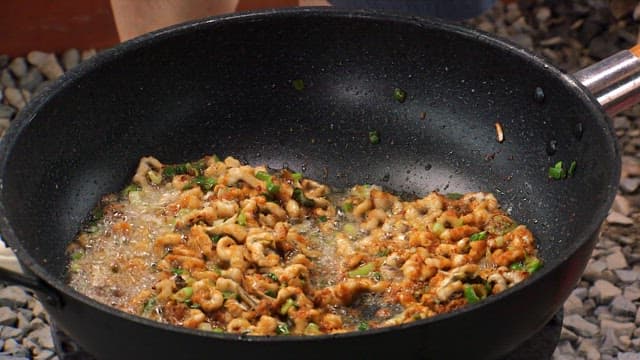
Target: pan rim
112,54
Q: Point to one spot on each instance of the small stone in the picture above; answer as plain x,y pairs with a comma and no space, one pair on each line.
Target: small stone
14,98
627,276
4,125
610,344
31,345
635,343
15,349
44,355
31,80
620,328
566,334
625,342
565,348
36,324
616,261
42,337
6,79
630,184
604,291
7,316
616,218
47,63
580,292
70,58
18,67
7,111
13,296
589,350
626,240
573,305
602,312
87,54
628,356
38,310
4,60
622,205
543,14
631,293
580,326
621,122
594,270
8,332
621,8
622,307
43,86
630,166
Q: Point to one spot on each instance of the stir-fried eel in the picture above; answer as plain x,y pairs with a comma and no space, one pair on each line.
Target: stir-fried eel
226,247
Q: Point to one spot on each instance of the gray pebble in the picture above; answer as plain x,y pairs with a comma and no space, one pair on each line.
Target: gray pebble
627,276
616,261
635,344
47,63
43,86
589,350
619,328
7,111
31,80
36,324
13,296
15,98
12,357
594,270
566,334
18,67
628,356
15,348
616,218
631,293
580,326
626,240
87,54
7,316
610,344
565,348
38,310
630,185
30,344
6,79
604,291
44,355
7,332
580,292
573,305
42,337
602,312
70,58
622,307
24,322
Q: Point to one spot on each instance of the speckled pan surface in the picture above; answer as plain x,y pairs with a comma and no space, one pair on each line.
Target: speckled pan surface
225,86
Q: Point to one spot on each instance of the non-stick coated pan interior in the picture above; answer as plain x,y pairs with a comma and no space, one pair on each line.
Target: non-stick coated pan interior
226,87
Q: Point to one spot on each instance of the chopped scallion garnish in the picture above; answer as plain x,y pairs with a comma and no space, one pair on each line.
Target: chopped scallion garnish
363,270
242,219
470,294
374,137
478,236
400,95
298,84
363,325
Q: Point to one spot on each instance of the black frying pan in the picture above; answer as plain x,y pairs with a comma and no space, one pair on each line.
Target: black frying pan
224,86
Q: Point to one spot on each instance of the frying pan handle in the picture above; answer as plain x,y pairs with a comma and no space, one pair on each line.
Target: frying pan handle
614,81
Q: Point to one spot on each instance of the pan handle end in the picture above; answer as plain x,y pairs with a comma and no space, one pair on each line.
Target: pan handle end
614,81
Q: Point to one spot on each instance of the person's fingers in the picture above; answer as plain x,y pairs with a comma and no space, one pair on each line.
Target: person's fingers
136,17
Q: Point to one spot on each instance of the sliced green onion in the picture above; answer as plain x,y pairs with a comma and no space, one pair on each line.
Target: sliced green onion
437,228
533,265
217,330
215,238
400,95
374,137
229,295
296,176
350,229
177,271
206,183
454,196
272,276
272,188
572,168
322,218
299,196
261,175
363,325
154,177
183,294
470,294
478,236
376,276
242,219
557,172
271,293
347,206
148,306
77,255
383,253
517,266
312,329
284,309
130,188
363,270
282,329
298,84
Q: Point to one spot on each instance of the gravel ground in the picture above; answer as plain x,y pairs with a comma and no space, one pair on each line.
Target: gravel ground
601,317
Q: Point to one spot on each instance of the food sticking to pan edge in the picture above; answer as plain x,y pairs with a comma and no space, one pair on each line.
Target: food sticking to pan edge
226,247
